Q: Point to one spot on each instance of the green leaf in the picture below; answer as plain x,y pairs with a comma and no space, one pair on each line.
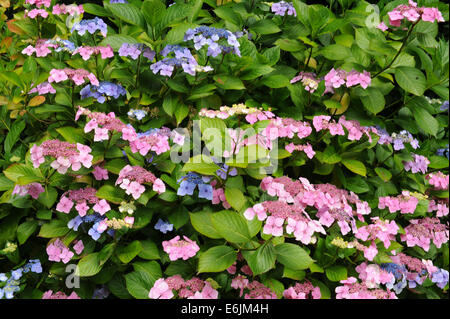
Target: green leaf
384,174
201,221
127,12
138,285
71,134
48,197
89,265
423,118
13,135
357,185
153,11
127,253
235,198
149,250
196,164
289,45
294,274
25,230
411,80
55,228
265,26
23,175
293,256
372,99
272,55
228,82
227,14
355,166
116,41
231,226
275,81
216,259
95,10
115,165
336,273
11,77
261,260
255,71
110,193
336,52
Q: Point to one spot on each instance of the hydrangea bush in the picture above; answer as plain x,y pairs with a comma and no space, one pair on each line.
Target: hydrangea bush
224,149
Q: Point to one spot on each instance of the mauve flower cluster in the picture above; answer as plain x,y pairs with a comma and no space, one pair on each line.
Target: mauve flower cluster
302,291
255,289
352,289
182,57
32,189
36,13
87,51
59,295
42,48
210,37
134,50
440,206
102,90
39,3
90,26
286,127
180,249
336,78
80,198
309,81
194,288
71,9
439,180
131,179
373,276
100,173
383,230
418,164
156,140
413,13
66,155
57,251
281,8
77,76
43,88
421,232
405,203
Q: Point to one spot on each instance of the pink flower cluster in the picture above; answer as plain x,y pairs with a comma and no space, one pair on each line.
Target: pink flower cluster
336,78
71,9
57,251
309,80
298,221
440,206
332,204
67,155
322,122
413,13
355,130
372,275
101,123
418,164
379,229
194,288
405,203
87,51
302,291
352,289
421,232
439,180
33,189
81,198
43,88
219,196
286,127
77,76
157,141
59,295
252,115
255,289
183,249
42,48
131,179
35,13
307,148
100,173
39,3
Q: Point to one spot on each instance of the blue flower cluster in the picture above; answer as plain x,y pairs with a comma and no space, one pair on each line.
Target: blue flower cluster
404,137
189,182
210,37
181,57
93,231
90,26
163,226
12,283
133,50
444,106
222,172
404,278
63,45
101,293
443,152
102,90
137,114
118,1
